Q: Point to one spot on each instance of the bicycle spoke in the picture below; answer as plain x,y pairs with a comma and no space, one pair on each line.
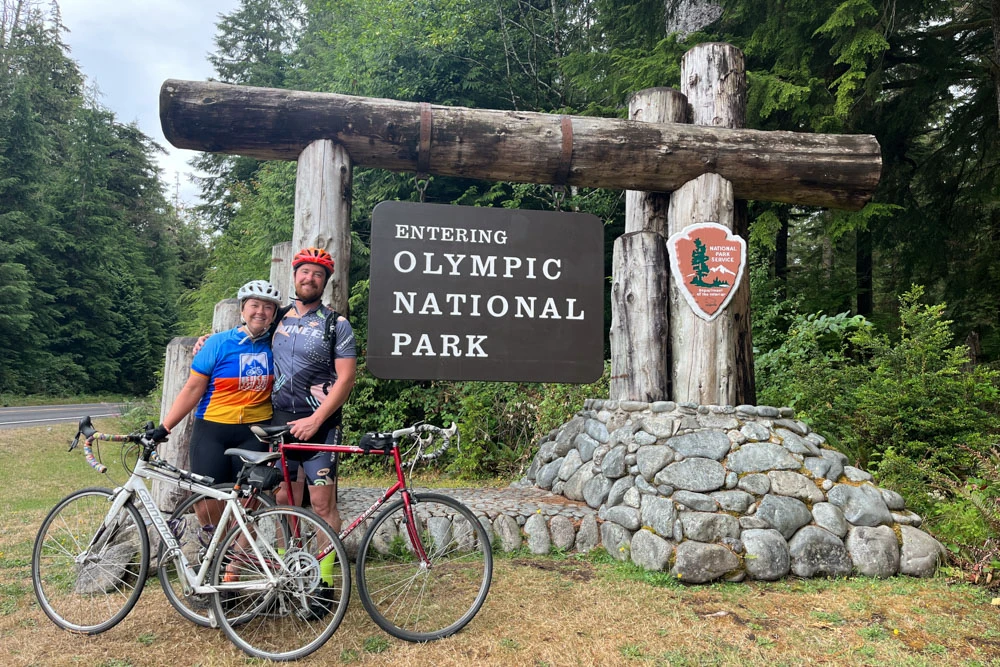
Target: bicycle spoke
89,591
421,601
294,611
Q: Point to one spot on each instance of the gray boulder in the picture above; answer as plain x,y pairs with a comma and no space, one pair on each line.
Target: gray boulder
652,459
549,473
659,514
829,516
507,532
613,465
706,444
708,526
562,532
785,514
695,501
862,505
766,556
816,552
616,540
539,540
588,536
761,456
874,551
571,463
788,483
733,501
595,490
920,554
694,474
627,517
650,551
756,483
697,562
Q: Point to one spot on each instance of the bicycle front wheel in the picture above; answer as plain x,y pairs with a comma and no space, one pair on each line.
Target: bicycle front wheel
421,601
88,567
194,539
292,613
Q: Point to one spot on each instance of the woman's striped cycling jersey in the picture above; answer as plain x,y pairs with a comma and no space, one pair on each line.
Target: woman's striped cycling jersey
240,374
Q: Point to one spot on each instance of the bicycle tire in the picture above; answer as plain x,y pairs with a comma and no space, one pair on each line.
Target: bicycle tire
418,603
89,591
293,617
193,540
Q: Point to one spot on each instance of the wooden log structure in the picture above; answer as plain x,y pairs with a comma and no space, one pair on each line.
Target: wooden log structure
640,339
837,171
176,449
323,214
704,354
281,269
640,342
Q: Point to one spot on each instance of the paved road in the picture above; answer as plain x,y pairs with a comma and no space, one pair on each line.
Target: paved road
41,415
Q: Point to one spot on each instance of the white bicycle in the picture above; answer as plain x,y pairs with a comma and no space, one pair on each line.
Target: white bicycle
277,579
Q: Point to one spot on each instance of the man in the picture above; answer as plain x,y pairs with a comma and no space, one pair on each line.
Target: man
315,363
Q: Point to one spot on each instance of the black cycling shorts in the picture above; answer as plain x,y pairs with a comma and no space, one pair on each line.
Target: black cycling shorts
320,467
210,440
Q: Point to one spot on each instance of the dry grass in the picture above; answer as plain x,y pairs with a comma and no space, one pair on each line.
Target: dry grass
541,611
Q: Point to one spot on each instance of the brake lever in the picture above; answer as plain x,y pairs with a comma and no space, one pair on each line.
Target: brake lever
84,428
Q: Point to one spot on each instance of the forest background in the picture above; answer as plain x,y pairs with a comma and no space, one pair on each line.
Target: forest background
880,327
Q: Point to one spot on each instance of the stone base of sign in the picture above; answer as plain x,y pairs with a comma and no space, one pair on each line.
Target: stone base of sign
715,493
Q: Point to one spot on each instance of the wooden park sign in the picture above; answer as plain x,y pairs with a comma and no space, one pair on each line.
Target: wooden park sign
469,293
707,262
693,163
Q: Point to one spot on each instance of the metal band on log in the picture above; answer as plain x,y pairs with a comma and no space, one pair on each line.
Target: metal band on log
838,171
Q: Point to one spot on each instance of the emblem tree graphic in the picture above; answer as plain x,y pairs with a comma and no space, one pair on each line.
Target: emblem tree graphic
699,263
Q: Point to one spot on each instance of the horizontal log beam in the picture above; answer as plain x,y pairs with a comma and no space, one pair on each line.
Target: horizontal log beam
831,170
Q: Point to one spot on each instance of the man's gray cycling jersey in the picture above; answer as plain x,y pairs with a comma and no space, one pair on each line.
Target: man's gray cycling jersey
304,369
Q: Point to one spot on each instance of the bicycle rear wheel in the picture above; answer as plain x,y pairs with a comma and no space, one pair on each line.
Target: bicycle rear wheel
87,567
419,601
292,616
194,540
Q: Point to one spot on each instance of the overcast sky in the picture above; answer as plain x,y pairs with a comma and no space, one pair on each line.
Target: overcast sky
129,48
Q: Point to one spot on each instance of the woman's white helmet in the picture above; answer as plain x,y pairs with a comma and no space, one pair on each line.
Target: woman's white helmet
259,289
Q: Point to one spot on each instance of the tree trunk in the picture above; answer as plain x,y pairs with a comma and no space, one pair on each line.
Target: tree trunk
712,361
781,254
995,12
863,272
639,337
323,213
839,171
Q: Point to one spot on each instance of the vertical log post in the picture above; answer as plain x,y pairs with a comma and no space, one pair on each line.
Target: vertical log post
323,213
176,449
704,354
647,211
226,315
640,363
281,269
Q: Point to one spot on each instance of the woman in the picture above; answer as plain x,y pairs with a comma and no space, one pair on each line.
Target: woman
230,383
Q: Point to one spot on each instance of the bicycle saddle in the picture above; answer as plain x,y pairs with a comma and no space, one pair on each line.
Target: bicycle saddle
250,456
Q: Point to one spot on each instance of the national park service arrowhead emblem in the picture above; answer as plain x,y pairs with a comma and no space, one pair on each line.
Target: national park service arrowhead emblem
707,262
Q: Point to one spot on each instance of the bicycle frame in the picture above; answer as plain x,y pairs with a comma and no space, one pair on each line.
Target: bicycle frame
194,581
398,487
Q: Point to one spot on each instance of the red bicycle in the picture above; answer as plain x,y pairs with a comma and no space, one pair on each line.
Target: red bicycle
424,566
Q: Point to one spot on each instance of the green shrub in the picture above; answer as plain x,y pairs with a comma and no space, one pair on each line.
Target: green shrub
907,407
